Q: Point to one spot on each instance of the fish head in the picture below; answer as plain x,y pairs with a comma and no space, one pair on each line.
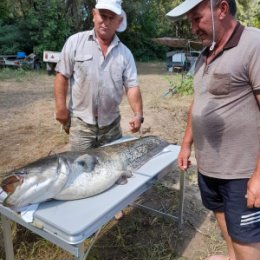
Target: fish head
36,182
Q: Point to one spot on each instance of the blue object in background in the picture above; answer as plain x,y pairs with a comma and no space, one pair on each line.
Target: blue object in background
21,55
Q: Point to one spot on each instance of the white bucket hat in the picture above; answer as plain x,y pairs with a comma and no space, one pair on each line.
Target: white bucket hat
182,9
116,7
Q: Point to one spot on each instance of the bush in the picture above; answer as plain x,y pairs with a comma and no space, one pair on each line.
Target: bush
182,85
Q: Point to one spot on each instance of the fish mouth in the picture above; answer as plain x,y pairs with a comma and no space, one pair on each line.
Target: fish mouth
9,184
8,187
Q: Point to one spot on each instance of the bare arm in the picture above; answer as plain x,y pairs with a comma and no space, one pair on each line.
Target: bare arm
60,93
184,155
253,186
135,101
257,95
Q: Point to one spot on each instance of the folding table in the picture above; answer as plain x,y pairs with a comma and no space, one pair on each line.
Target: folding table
69,223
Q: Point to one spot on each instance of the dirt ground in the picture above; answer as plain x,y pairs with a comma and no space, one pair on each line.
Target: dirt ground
29,131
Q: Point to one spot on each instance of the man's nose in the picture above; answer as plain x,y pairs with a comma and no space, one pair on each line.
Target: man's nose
106,21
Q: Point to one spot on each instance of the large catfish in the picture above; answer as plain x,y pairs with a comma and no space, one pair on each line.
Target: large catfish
77,175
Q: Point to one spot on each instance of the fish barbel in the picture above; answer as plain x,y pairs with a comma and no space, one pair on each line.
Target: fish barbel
76,175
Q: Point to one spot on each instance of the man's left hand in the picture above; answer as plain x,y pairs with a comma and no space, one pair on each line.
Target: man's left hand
135,124
253,191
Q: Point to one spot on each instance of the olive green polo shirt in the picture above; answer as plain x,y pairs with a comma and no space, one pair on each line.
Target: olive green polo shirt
225,116
97,82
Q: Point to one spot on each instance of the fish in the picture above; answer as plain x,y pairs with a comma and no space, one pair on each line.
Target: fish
76,175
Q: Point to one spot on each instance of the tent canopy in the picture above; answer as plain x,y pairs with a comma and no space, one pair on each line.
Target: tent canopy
178,43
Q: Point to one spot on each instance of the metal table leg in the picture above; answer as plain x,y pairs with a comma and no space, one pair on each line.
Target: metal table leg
93,240
8,242
181,198
178,217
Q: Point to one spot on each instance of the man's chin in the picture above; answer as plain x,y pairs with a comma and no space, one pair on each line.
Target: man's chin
105,35
206,43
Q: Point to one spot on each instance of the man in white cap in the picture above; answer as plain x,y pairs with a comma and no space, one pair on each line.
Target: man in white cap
99,69
224,122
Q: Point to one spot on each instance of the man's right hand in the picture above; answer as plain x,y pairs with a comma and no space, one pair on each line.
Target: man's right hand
63,116
183,158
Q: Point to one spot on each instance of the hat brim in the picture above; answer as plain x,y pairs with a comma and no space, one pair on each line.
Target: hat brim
109,7
181,10
123,25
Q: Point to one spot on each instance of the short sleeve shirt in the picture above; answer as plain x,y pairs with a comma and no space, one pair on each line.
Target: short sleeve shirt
225,116
97,82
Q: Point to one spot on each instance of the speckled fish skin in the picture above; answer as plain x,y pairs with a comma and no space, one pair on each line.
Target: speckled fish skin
77,175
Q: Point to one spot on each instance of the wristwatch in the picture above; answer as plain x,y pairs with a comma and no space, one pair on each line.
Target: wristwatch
141,119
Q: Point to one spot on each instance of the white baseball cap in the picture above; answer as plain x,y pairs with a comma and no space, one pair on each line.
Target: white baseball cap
116,7
182,9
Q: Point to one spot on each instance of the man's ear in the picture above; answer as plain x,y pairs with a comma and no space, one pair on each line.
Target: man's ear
223,9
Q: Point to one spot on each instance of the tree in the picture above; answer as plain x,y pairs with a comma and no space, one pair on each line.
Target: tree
37,25
249,12
146,20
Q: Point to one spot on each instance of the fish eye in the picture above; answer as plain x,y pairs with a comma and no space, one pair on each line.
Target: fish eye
81,163
21,172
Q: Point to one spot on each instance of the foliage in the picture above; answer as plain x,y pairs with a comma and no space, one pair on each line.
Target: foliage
146,20
37,25
47,35
181,86
249,12
12,38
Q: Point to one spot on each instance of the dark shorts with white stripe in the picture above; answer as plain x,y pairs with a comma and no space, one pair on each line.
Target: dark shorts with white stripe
228,196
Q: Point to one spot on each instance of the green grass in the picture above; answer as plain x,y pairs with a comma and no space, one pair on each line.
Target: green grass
18,74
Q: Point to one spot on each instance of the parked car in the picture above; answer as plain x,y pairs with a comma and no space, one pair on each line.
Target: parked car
31,62
20,60
181,61
10,61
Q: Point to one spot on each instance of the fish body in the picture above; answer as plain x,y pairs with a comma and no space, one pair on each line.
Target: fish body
76,175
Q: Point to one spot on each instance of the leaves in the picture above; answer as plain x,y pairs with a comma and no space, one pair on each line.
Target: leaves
181,86
37,25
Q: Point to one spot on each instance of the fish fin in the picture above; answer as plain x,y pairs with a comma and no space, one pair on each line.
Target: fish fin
9,184
122,180
127,174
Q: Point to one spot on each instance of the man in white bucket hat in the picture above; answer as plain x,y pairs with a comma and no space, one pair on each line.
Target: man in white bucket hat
224,122
99,69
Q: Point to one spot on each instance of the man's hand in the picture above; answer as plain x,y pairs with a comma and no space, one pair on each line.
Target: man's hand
183,158
63,116
135,124
253,191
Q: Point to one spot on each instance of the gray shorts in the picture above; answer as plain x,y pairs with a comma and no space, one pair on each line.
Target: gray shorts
84,136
